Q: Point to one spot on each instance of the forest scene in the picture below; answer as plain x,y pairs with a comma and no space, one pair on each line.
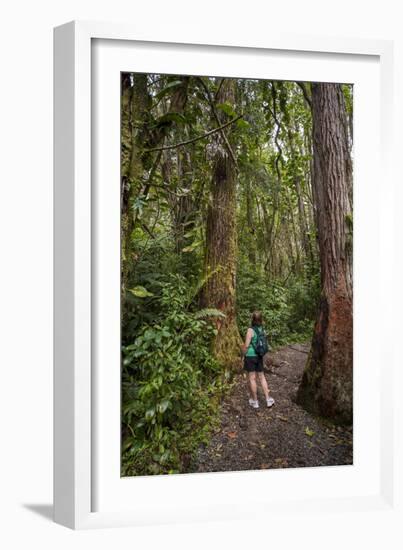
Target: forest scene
236,197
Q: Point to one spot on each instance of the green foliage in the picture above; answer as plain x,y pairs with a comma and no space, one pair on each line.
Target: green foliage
227,109
209,313
140,292
309,432
170,117
170,384
169,88
289,308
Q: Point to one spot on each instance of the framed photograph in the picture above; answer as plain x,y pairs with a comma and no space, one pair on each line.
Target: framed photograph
220,253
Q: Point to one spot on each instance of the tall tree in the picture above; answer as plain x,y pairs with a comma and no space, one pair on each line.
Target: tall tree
138,163
326,387
221,238
183,208
134,105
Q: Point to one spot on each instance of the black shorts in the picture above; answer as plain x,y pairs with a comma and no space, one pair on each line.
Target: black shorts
253,364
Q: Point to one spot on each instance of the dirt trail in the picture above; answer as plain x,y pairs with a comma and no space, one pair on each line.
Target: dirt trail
284,436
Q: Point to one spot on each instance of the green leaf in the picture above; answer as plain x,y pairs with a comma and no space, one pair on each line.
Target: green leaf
170,117
192,246
227,109
150,414
127,443
243,124
168,88
309,432
140,292
209,312
162,407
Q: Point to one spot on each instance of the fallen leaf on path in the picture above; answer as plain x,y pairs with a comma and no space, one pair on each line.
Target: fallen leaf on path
264,466
309,432
281,462
281,417
232,435
338,442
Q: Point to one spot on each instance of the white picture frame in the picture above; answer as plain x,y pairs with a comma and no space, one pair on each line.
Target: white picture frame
77,473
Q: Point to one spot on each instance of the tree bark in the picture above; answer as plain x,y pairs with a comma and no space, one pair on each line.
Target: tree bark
221,243
136,159
250,223
184,207
134,105
302,218
327,384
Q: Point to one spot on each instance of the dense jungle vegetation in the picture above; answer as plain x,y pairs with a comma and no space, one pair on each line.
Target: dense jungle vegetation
236,195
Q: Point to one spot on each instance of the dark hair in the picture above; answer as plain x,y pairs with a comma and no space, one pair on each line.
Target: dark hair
257,318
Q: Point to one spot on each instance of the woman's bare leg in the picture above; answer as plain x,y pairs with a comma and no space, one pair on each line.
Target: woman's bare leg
265,387
252,385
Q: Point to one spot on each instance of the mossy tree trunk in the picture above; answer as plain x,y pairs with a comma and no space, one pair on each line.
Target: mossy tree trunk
134,106
221,241
327,383
183,207
137,165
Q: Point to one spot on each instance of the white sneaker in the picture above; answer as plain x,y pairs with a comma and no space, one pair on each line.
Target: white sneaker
253,403
270,401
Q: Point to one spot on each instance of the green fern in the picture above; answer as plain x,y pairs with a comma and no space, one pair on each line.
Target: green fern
199,284
209,312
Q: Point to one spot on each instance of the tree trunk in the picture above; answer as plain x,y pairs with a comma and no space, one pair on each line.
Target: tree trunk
221,244
302,218
327,384
184,206
134,162
250,223
133,108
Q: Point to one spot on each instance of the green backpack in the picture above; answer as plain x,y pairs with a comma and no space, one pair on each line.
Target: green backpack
261,347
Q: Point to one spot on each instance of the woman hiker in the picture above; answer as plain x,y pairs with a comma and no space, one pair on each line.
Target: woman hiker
254,348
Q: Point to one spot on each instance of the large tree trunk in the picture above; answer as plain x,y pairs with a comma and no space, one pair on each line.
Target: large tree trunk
221,243
135,163
327,384
134,105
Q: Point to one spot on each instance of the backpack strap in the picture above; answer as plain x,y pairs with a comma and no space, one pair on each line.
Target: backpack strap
257,336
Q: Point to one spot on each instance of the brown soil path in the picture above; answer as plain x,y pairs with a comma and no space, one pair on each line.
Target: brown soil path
284,436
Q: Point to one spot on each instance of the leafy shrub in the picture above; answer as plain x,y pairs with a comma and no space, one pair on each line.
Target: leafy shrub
289,309
156,262
170,383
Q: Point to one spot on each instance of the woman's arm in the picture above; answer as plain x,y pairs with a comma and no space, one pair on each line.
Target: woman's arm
248,338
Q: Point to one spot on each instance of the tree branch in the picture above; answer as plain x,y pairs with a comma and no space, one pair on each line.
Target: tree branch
166,188
219,87
305,93
273,113
214,111
187,142
144,226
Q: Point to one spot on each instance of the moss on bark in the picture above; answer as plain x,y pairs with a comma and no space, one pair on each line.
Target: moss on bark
221,245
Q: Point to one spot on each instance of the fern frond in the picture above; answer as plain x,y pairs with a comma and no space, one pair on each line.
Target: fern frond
200,283
209,312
